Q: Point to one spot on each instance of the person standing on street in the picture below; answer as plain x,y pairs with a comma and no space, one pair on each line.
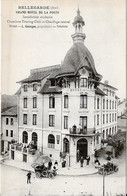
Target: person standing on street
81,161
87,160
28,177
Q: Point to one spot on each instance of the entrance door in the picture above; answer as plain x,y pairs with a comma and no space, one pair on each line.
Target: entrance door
12,154
82,148
24,158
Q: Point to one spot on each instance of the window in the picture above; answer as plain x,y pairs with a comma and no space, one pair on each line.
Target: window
97,138
83,82
106,118
110,104
115,104
24,137
6,132
110,118
107,104
51,141
51,120
106,133
25,102
97,103
52,102
65,122
12,122
34,119
65,145
115,116
25,88
103,118
34,87
98,119
34,139
83,101
83,122
103,103
94,102
34,102
110,131
11,133
65,101
7,121
24,119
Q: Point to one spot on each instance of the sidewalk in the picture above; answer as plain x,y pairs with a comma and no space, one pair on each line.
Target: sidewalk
75,170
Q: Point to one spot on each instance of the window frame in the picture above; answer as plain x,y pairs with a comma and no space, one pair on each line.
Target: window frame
66,101
7,121
25,119
34,102
51,120
11,121
11,133
51,102
65,122
83,101
6,132
34,120
25,102
25,87
98,119
35,87
83,82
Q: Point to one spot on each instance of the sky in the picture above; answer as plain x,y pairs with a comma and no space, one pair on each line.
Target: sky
24,49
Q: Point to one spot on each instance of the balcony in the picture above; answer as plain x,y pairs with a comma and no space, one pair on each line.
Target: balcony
79,132
23,148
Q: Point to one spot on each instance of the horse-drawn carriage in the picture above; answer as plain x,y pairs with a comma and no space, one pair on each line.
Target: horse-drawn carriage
108,168
42,171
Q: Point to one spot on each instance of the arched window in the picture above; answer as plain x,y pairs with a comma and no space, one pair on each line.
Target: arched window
34,138
65,145
51,141
25,137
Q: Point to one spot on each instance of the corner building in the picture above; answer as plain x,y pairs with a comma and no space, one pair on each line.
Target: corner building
65,108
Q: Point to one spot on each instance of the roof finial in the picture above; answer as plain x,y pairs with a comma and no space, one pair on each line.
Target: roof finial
78,11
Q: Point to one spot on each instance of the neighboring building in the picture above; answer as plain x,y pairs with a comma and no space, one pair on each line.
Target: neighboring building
9,128
65,108
122,115
122,107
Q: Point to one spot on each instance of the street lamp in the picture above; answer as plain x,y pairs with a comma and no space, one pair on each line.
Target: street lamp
103,182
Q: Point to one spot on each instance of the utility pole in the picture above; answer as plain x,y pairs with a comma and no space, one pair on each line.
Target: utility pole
103,182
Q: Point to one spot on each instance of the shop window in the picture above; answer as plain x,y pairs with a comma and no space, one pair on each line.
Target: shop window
25,137
51,141
65,145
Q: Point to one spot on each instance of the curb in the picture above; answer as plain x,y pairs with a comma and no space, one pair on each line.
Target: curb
77,174
57,174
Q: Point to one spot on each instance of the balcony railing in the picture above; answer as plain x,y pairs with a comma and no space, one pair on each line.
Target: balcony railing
78,131
23,148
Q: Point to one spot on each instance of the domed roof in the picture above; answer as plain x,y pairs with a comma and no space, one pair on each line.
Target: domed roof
77,56
78,18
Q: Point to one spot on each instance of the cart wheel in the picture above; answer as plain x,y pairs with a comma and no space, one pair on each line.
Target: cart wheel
38,175
44,173
51,175
116,169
